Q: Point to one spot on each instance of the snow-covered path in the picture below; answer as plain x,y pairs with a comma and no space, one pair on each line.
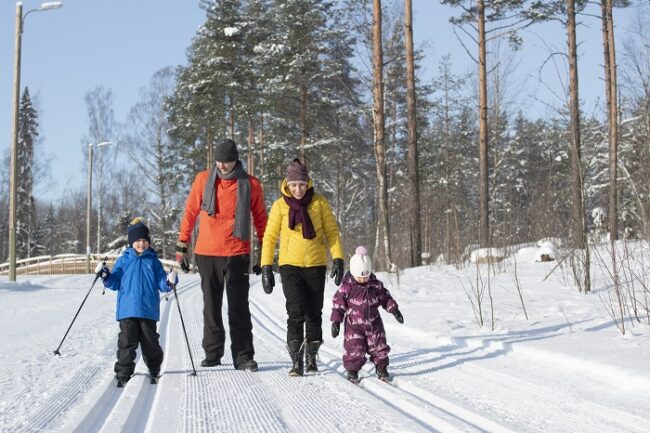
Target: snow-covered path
468,382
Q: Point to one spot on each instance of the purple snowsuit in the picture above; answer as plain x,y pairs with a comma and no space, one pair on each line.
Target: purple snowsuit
364,329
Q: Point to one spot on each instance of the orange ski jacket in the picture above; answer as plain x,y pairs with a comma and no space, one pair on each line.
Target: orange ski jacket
215,236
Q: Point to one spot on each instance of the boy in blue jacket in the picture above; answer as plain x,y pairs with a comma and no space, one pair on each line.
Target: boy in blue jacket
137,277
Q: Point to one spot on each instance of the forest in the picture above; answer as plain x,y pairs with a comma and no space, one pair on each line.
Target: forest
420,171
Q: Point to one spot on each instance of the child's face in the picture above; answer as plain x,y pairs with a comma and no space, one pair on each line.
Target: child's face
140,245
361,280
297,188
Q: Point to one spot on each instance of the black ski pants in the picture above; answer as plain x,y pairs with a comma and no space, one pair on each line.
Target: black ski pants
134,331
303,289
231,272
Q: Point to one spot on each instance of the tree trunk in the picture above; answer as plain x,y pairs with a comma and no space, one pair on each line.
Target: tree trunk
484,227
580,228
209,148
232,118
251,145
414,176
612,116
261,149
303,123
379,131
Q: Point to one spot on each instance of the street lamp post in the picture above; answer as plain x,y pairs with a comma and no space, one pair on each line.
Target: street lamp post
89,201
100,146
13,174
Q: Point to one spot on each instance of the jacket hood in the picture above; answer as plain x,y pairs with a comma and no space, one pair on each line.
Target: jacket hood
284,187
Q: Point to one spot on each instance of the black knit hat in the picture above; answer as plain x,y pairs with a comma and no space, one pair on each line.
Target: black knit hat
226,151
137,230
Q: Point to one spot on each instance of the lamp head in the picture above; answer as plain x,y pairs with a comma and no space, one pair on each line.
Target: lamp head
50,5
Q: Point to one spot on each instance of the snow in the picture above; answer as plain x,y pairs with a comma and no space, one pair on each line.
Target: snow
230,31
566,369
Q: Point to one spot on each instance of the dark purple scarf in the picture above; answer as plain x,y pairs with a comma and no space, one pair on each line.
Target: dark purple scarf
298,213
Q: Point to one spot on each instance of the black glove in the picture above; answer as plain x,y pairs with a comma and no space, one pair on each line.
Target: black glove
268,280
337,271
398,316
181,256
336,328
257,269
101,270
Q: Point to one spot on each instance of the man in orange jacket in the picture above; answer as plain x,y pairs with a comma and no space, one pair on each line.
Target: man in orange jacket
224,198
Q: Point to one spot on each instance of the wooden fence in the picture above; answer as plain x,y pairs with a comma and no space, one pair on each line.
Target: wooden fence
62,264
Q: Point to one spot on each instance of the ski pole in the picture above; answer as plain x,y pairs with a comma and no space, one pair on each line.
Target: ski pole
104,264
56,351
184,331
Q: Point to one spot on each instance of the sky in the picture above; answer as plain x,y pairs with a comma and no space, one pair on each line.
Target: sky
565,368
120,44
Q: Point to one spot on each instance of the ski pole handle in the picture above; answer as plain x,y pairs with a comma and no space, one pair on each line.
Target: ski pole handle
103,266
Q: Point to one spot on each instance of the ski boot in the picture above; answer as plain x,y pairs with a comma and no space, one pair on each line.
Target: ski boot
310,356
296,350
121,381
382,374
208,362
353,376
250,365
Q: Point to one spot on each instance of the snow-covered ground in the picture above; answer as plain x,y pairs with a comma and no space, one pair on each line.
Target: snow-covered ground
565,369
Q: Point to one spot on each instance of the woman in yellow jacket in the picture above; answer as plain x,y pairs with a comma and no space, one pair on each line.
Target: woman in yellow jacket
305,224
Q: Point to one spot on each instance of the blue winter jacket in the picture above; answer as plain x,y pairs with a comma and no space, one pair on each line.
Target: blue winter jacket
137,279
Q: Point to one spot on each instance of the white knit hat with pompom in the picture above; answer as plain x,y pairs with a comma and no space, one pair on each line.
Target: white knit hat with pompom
360,263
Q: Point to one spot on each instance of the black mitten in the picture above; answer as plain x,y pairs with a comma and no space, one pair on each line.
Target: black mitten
336,328
268,280
337,271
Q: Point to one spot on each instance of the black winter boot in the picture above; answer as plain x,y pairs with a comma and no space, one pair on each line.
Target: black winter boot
382,373
310,355
352,376
296,350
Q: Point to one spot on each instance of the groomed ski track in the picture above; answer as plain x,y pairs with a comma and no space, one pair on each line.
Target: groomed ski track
434,386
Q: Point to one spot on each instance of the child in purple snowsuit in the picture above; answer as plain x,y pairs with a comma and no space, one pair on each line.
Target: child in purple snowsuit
358,301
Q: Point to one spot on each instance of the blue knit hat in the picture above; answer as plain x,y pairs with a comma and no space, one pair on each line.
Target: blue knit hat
137,230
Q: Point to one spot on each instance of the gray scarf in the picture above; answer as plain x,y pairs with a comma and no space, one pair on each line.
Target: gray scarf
242,229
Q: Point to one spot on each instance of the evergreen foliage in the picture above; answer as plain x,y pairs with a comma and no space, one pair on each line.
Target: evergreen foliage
287,79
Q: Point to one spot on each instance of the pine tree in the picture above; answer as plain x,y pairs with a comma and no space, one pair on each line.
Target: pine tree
25,211
478,15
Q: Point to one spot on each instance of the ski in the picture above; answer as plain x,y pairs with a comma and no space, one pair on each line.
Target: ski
388,381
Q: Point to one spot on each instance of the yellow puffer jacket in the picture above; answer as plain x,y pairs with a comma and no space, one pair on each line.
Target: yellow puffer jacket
294,249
